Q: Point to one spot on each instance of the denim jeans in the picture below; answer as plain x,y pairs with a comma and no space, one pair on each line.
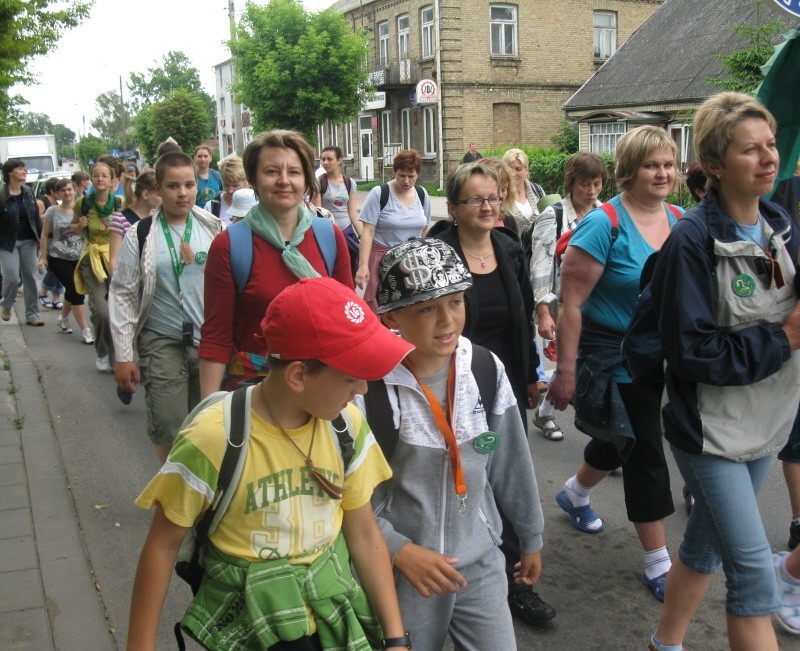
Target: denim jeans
21,262
725,528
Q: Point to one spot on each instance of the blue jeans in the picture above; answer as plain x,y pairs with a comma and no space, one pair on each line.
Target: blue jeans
725,528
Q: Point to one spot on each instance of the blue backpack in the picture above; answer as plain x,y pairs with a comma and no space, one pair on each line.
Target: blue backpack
241,241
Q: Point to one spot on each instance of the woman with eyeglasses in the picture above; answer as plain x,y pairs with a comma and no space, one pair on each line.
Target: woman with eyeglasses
499,317
93,269
725,286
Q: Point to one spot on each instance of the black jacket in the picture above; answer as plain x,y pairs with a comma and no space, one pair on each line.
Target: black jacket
521,368
9,217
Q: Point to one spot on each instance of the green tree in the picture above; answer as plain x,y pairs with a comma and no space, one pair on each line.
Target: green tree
175,72
182,115
29,28
743,67
297,69
112,118
566,138
35,123
89,148
64,136
143,134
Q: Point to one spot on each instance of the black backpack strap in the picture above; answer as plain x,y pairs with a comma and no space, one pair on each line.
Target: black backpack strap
346,442
421,194
323,184
559,208
228,465
348,183
384,195
216,207
484,370
379,416
142,231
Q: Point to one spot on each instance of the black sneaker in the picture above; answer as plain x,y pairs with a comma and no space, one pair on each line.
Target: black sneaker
794,535
529,607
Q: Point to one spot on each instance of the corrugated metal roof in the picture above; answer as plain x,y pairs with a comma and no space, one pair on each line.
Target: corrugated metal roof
671,55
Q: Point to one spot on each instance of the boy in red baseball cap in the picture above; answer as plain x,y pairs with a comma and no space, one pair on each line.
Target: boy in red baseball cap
277,572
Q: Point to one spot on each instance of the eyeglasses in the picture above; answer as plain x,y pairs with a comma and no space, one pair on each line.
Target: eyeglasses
477,202
98,177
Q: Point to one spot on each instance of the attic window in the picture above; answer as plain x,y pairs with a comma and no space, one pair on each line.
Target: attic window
605,34
603,136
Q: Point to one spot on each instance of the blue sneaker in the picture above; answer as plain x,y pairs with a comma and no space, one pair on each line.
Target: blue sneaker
656,585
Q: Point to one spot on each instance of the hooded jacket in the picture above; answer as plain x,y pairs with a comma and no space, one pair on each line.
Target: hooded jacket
732,380
419,504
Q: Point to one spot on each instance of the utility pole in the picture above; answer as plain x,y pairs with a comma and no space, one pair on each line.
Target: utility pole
124,118
238,136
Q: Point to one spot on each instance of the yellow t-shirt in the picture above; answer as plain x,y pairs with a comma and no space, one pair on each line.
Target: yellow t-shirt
278,509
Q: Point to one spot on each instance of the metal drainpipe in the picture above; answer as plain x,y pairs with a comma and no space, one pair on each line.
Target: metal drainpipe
439,82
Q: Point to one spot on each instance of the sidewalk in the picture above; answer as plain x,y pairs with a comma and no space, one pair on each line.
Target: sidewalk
47,593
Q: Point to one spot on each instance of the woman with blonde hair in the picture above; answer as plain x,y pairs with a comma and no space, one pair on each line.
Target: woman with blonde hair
525,193
231,171
600,276
729,318
505,181
92,216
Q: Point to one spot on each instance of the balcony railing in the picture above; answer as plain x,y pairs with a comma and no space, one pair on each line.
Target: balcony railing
395,73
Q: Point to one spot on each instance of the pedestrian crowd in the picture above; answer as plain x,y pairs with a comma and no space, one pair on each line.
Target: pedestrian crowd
327,386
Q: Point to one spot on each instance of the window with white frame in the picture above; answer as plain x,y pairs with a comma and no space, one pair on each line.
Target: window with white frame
426,31
503,27
386,127
222,107
347,136
405,128
605,34
429,122
383,43
683,136
402,37
333,134
320,139
603,136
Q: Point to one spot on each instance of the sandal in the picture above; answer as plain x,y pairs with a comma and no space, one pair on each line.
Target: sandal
548,427
44,301
57,305
582,516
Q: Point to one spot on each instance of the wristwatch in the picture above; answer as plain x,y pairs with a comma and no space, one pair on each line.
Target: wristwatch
405,641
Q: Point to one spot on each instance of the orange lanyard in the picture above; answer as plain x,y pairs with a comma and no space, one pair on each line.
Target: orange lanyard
445,427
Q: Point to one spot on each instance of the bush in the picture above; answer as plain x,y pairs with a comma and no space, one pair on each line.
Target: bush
546,167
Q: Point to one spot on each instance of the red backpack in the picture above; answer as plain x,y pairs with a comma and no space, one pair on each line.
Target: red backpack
608,209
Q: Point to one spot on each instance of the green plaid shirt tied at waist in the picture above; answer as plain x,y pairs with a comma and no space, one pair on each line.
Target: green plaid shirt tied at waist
243,605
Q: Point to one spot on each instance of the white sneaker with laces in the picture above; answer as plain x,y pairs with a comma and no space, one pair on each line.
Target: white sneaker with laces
87,336
64,325
102,364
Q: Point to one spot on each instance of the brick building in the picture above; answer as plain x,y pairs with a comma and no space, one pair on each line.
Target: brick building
503,71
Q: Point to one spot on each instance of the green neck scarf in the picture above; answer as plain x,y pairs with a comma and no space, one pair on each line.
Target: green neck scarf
103,210
263,224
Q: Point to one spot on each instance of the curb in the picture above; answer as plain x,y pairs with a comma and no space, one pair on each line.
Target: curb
48,598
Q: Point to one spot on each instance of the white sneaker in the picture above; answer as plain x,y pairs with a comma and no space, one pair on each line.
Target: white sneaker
788,617
64,325
102,364
87,336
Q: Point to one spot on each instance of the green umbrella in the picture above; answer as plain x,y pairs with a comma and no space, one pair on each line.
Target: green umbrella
780,93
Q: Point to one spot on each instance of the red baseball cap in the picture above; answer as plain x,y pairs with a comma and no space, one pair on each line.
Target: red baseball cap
319,318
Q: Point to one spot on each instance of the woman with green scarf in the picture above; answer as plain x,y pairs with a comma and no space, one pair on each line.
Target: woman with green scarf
279,166
92,271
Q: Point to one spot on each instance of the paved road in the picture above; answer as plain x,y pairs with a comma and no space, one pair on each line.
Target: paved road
593,581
